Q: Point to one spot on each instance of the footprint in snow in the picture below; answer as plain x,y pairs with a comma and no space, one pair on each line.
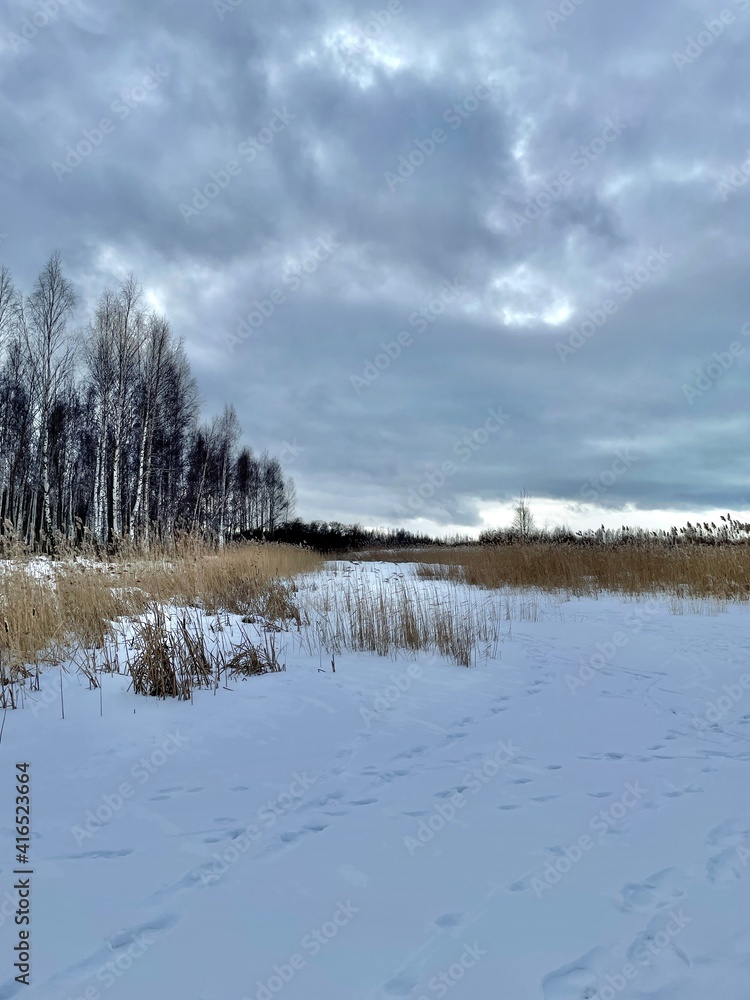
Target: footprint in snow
729,833
409,754
450,792
293,836
130,935
520,886
676,793
727,866
387,776
658,890
449,920
204,874
227,835
401,986
576,981
324,800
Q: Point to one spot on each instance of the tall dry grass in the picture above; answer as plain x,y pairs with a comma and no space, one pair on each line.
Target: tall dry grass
354,608
47,608
690,571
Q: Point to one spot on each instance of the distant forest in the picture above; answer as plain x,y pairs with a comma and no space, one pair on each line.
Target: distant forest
336,538
100,432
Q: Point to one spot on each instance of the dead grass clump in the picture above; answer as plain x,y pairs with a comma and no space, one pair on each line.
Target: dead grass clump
172,658
155,671
251,660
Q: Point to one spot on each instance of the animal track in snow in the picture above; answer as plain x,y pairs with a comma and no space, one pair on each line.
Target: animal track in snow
658,890
128,936
575,981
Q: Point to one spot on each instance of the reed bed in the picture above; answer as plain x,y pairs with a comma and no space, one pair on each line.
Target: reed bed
357,608
47,608
692,572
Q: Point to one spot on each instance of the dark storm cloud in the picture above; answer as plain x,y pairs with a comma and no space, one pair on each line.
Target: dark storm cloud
578,141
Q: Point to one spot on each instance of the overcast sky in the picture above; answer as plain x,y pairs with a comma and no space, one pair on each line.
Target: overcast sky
540,210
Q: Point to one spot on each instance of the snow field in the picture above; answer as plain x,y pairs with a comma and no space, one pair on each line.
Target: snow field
564,820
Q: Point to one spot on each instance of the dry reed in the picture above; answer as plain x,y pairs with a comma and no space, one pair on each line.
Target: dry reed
691,571
48,608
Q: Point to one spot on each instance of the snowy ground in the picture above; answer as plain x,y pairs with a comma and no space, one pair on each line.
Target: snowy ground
568,820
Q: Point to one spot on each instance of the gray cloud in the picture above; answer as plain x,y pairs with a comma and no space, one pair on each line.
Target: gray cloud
356,113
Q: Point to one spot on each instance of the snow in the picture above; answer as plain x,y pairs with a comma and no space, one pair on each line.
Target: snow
565,820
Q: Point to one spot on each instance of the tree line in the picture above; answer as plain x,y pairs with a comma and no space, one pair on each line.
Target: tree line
330,537
101,438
